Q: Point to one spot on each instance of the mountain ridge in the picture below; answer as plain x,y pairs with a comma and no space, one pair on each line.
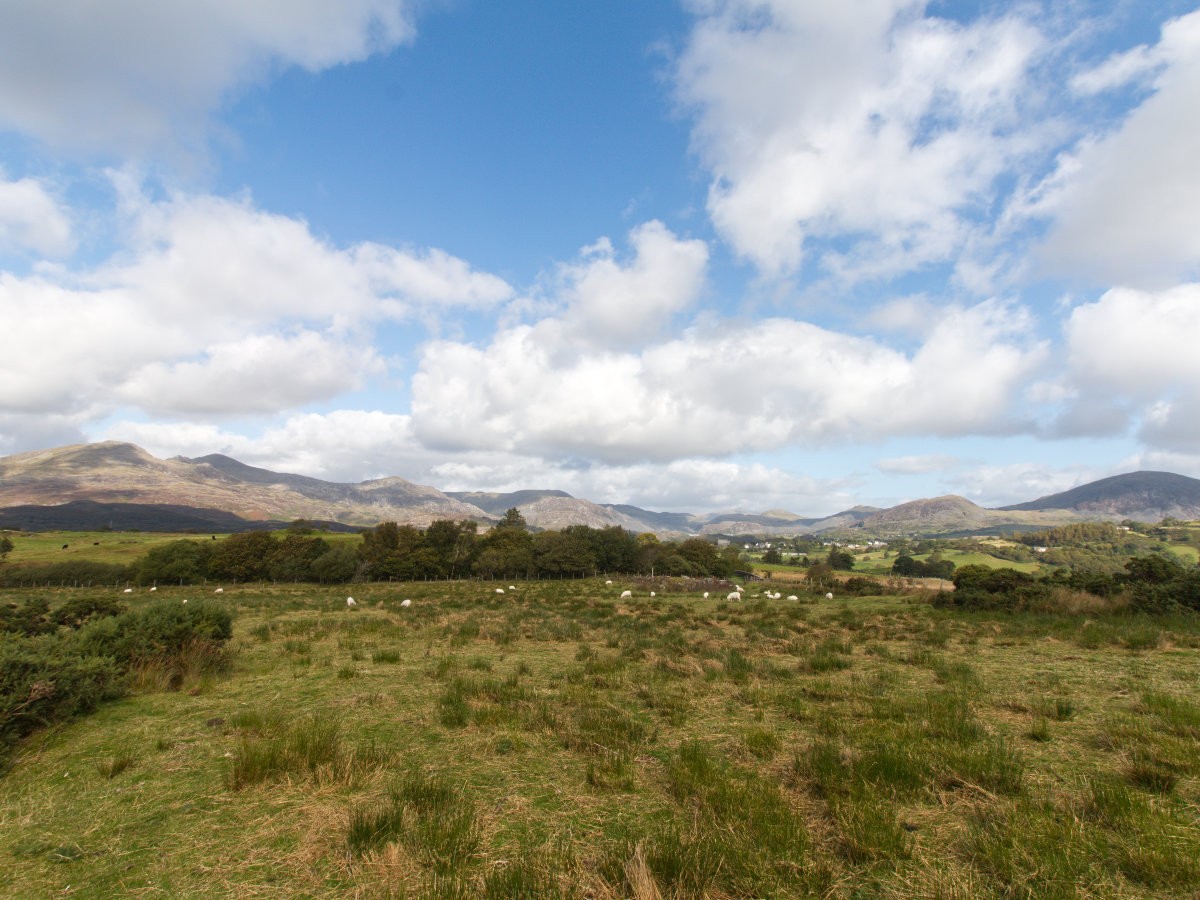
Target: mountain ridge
207,488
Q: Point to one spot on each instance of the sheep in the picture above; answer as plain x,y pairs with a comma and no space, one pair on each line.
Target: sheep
652,594
829,596
499,590
219,591
738,588
793,597
734,595
185,601
706,595
153,588
406,603
350,602
625,595
128,590
608,583
511,588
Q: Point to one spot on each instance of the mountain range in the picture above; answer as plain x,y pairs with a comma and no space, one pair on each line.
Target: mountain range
120,485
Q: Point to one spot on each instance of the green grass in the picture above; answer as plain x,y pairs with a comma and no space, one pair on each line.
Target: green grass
555,743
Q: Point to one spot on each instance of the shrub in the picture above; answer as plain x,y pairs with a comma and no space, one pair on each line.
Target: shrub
41,682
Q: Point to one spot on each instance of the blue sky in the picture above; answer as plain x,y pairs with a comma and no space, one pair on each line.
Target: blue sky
701,255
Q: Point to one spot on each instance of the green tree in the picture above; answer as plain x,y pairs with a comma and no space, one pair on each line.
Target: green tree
772,556
840,560
513,519
244,557
6,546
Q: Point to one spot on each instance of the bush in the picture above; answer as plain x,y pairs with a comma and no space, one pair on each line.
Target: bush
76,572
157,633
42,682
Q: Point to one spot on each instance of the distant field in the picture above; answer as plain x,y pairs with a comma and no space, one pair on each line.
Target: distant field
555,741
120,547
874,563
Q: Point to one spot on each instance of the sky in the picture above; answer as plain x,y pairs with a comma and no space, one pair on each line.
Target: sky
697,255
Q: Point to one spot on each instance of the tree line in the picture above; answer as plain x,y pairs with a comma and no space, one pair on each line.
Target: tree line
445,549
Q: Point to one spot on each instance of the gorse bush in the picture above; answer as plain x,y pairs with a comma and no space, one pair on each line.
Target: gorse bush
48,674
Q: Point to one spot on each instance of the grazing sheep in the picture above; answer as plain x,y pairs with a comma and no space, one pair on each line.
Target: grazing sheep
511,588
793,597
406,603
608,583
733,595
499,590
706,595
128,590
829,596
652,594
738,588
625,595
350,601
219,591
154,588
185,600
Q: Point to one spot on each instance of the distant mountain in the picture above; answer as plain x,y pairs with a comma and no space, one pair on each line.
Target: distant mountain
498,504
118,473
120,485
87,515
1142,496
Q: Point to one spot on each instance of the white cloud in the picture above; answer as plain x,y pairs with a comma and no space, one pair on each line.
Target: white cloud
1126,206
140,75
618,305
916,465
722,390
32,220
1136,350
216,307
865,122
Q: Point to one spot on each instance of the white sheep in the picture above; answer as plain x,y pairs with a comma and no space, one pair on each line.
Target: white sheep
793,597
499,590
625,595
738,588
350,601
406,603
652,594
706,595
153,589
219,591
128,590
608,583
829,596
511,587
734,595
185,600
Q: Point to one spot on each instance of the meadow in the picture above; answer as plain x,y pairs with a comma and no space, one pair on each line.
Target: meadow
558,741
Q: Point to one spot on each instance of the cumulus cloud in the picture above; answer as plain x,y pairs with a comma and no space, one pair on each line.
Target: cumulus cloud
1136,350
132,76
32,220
916,465
724,390
1125,206
866,122
216,307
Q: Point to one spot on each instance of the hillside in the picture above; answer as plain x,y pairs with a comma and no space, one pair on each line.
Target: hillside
120,485
118,473
1143,496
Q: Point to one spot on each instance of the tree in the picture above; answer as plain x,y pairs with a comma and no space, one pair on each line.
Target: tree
513,519
772,556
244,557
6,546
840,560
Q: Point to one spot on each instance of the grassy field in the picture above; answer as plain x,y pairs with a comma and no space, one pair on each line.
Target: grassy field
120,547
555,740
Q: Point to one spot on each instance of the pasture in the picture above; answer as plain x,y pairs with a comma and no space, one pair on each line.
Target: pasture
555,740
